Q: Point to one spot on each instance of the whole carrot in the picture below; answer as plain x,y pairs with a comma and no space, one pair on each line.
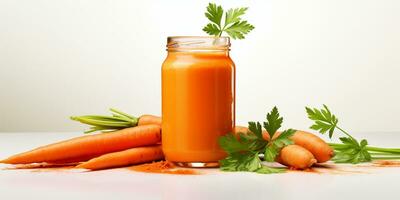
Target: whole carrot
149,119
296,157
318,147
90,146
127,157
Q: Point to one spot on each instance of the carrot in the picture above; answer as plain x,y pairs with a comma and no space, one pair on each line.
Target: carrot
90,146
132,156
296,157
318,147
242,129
149,119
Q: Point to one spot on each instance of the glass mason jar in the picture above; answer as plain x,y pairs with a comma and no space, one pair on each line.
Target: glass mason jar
198,100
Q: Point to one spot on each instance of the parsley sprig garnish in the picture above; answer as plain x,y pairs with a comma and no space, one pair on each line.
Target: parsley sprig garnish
233,25
350,150
244,149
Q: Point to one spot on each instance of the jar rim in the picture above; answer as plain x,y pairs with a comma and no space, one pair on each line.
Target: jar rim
212,43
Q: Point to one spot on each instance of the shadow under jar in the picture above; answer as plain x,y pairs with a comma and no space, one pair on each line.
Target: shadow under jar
198,100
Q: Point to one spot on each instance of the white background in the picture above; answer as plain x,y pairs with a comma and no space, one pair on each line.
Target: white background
69,57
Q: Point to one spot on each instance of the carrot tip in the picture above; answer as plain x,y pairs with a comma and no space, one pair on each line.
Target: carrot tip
80,166
312,162
5,161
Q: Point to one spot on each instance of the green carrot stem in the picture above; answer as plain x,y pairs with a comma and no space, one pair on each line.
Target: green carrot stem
105,118
345,132
337,146
382,154
386,158
94,129
123,114
95,122
379,149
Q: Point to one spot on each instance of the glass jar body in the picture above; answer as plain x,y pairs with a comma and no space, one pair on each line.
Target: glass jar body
198,106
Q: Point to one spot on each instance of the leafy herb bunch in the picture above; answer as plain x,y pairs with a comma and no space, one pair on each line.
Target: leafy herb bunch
232,24
244,149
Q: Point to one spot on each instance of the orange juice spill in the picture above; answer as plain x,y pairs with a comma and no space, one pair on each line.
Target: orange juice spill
198,105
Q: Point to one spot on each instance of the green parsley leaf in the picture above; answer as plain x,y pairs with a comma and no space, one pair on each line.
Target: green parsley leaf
211,29
323,119
248,161
270,153
246,142
244,148
233,24
233,15
353,151
214,13
284,138
239,29
274,146
274,122
269,170
350,151
256,129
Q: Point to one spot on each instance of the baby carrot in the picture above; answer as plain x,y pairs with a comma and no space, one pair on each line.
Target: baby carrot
127,157
318,147
296,157
90,146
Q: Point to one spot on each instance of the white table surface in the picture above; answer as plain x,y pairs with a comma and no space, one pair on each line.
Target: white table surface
344,182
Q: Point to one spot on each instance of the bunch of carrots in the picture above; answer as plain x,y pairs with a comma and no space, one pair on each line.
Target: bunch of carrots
128,146
139,141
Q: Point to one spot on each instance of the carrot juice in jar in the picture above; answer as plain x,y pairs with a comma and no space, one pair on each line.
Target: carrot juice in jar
198,100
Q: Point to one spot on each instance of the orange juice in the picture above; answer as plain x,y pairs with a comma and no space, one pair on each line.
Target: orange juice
198,99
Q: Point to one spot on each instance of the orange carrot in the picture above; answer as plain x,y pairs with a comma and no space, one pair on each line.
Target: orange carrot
149,119
318,147
132,156
242,129
296,157
90,146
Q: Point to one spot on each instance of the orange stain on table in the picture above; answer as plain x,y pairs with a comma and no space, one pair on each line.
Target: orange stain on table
162,167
